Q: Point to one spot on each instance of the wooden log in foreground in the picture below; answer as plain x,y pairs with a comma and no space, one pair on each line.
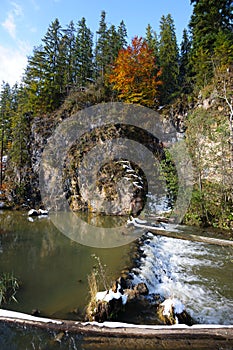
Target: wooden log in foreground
135,336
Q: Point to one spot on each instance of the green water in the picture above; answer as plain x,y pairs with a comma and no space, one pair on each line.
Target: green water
52,269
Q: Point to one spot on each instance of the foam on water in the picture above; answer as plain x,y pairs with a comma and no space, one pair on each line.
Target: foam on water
186,270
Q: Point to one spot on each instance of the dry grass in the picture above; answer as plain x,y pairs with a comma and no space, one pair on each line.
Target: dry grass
95,280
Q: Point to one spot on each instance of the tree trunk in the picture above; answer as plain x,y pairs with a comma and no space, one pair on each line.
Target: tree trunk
120,335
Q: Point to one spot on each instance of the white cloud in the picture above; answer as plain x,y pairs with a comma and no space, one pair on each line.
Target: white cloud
12,64
13,59
17,9
9,24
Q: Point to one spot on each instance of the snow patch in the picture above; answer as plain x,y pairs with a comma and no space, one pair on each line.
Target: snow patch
109,295
22,316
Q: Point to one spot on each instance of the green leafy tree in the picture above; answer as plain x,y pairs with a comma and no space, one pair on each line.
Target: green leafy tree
35,80
169,59
206,138
135,75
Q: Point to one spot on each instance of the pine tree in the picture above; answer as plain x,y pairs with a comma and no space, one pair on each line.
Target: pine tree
122,33
102,47
20,152
5,121
223,50
68,46
152,41
184,70
109,42
211,24
116,42
45,75
54,79
208,18
35,80
84,54
49,72
169,59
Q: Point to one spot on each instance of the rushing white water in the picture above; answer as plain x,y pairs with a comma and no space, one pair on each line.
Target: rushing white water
195,273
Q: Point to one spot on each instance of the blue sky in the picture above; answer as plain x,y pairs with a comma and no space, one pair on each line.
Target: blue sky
23,23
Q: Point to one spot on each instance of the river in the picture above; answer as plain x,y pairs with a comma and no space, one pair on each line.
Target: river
53,269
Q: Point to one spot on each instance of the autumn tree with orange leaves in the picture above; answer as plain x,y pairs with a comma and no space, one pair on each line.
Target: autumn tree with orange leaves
135,75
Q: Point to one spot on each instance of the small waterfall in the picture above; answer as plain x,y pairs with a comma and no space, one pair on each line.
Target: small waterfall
190,272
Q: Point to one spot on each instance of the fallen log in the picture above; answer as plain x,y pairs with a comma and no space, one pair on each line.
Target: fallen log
166,230
92,333
193,238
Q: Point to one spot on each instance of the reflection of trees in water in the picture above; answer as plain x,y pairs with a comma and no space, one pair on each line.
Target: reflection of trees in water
16,231
41,240
52,268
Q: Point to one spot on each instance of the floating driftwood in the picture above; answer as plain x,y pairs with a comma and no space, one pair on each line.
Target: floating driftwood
167,230
118,334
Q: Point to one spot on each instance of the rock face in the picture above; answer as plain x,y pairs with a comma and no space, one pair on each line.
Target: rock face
119,186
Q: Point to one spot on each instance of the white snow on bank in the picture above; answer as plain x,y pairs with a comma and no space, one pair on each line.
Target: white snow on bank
108,295
170,303
22,316
109,324
136,222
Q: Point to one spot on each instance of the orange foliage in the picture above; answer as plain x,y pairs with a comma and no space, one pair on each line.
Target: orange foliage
135,74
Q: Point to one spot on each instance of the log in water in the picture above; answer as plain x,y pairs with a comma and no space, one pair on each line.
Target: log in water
170,230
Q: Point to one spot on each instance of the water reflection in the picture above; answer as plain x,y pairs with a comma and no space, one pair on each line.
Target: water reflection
95,231
52,268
